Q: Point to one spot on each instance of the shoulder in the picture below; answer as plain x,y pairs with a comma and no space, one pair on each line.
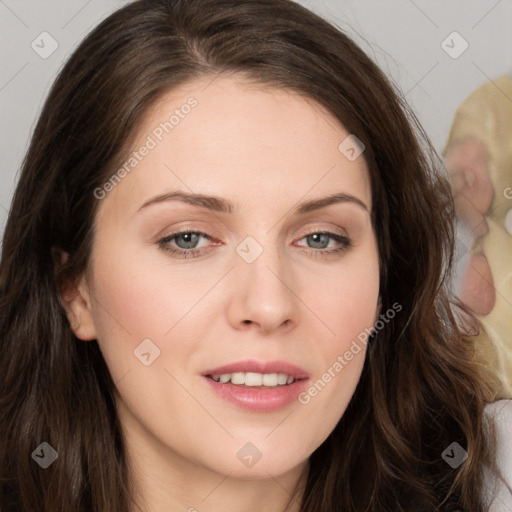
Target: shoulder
500,493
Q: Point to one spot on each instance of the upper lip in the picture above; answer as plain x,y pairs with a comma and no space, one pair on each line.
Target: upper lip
260,367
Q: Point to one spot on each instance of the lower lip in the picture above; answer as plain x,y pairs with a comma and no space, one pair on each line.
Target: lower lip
257,399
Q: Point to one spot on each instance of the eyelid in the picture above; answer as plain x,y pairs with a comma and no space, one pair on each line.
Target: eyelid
324,229
190,228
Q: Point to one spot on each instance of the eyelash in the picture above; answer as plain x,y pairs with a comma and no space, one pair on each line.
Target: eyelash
195,253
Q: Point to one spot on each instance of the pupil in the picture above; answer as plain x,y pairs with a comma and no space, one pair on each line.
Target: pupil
316,239
189,238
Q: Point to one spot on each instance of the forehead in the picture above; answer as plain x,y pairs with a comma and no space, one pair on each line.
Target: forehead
241,140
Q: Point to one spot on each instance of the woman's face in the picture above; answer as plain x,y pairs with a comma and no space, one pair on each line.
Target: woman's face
272,282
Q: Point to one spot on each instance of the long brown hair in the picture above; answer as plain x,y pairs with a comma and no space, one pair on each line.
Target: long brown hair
421,388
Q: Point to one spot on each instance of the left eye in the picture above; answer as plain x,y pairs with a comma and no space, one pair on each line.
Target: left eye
188,240
321,240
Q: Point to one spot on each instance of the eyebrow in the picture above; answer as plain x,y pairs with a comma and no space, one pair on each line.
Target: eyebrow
221,205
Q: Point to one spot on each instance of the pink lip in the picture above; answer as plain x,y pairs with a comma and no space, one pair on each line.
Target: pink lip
259,398
260,367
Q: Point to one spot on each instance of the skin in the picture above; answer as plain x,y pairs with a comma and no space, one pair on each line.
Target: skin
265,150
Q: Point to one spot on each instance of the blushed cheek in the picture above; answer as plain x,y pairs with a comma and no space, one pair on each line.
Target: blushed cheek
128,294
349,312
136,303
122,313
330,392
349,306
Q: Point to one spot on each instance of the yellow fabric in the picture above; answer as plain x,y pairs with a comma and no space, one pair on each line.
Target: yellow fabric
487,116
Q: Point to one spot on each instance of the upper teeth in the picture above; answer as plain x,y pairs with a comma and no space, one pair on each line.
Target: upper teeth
254,379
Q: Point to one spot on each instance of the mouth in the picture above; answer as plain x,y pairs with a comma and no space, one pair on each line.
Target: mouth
258,386
252,373
254,380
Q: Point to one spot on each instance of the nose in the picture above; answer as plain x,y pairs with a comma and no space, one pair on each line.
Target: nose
262,296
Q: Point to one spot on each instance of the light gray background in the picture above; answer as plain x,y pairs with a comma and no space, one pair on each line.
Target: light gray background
403,36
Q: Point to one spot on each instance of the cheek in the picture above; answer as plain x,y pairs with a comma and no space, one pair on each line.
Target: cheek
345,298
341,358
145,291
136,301
347,305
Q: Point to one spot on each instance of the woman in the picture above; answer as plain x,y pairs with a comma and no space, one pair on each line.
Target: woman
224,281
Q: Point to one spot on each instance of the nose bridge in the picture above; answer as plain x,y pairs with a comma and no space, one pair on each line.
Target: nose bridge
263,288
263,260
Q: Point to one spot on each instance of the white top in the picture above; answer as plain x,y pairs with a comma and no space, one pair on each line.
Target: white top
498,495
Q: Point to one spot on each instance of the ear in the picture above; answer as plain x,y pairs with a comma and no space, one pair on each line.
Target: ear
75,298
